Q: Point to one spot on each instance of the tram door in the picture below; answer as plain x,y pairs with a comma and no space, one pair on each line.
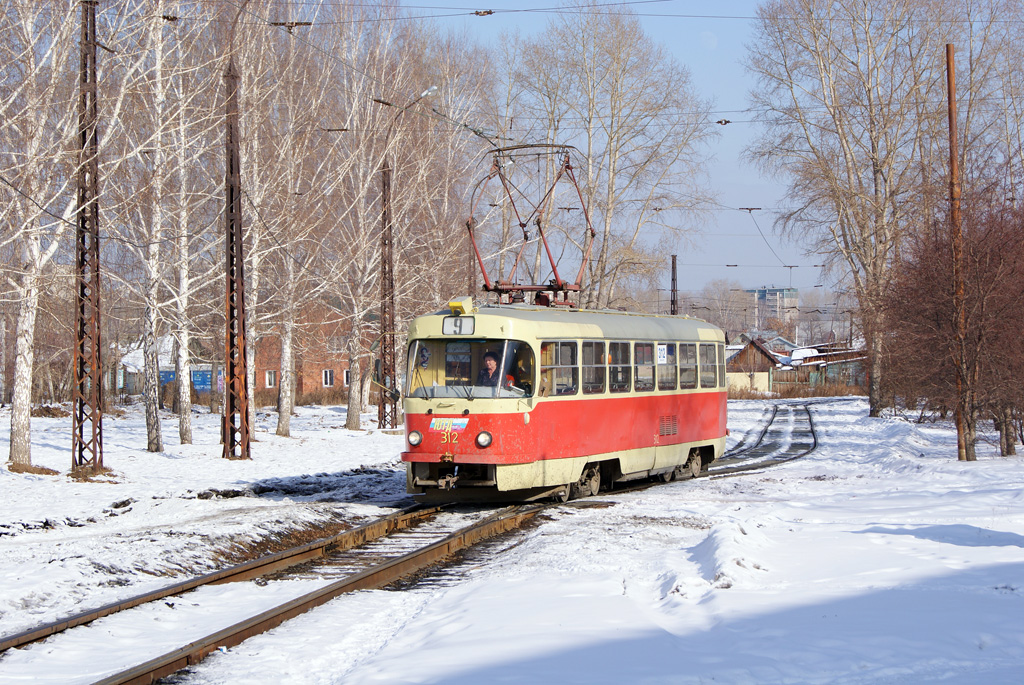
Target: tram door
667,451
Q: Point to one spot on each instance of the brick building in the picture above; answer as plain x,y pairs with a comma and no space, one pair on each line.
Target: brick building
321,363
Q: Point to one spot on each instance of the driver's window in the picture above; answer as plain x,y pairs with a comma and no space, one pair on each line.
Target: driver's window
458,364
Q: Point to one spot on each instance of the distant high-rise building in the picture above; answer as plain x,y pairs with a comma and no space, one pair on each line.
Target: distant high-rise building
775,303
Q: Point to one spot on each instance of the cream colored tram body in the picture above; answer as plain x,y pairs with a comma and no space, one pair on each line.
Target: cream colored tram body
517,402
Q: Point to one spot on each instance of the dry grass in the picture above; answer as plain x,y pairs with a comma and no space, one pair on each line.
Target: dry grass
29,468
797,391
49,411
279,541
87,475
325,397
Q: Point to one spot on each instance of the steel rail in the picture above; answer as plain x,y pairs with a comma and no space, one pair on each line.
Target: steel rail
728,471
406,518
375,577
739,448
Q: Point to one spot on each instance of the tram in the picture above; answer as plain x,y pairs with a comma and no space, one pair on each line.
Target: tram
521,402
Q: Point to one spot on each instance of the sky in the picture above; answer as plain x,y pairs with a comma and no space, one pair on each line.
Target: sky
709,39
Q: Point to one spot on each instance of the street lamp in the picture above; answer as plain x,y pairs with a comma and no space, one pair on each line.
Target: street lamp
387,408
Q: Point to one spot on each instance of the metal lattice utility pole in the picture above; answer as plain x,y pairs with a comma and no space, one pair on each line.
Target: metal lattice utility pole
387,407
87,393
236,409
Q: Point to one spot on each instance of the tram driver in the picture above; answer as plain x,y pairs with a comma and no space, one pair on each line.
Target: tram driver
489,374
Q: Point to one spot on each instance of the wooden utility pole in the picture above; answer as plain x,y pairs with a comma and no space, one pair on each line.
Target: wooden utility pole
964,451
675,291
87,393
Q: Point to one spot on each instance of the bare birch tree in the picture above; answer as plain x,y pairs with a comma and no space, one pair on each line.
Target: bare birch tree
632,111
851,94
843,86
37,118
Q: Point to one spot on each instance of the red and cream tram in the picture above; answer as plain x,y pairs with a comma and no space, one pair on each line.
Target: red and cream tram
520,402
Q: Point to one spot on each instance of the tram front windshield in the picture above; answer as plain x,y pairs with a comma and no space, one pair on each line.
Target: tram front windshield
470,369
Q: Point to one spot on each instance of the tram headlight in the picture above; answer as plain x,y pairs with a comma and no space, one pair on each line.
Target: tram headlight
415,438
483,439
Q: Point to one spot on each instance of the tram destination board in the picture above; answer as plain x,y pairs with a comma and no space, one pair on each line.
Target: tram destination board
458,325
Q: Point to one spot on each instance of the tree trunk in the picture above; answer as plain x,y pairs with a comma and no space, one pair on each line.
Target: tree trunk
355,393
970,436
876,400
21,399
184,362
285,392
151,381
151,386
366,386
1008,432
3,359
214,395
250,370
175,408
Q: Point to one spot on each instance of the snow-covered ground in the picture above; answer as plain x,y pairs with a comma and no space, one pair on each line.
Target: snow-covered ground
878,558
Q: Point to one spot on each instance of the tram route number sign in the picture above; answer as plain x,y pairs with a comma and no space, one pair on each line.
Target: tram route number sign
450,428
458,325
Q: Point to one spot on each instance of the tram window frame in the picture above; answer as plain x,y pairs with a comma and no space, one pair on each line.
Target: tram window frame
687,366
721,365
708,367
643,364
668,370
560,378
620,370
594,371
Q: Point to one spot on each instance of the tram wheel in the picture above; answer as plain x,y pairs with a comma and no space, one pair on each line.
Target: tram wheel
694,465
591,481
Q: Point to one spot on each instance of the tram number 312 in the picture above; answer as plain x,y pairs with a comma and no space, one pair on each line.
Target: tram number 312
449,429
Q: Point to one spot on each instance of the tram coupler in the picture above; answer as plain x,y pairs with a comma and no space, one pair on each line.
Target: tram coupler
447,482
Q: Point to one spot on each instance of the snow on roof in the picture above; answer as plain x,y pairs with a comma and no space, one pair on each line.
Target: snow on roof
798,355
133,360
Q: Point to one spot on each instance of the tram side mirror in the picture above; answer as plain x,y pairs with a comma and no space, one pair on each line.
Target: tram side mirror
376,371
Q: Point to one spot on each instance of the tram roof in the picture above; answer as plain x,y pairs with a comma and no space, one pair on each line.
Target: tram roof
553,322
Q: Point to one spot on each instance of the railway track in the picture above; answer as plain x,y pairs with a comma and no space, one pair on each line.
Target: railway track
788,434
370,556
175,628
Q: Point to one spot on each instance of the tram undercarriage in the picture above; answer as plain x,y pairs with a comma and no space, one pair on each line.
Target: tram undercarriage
562,478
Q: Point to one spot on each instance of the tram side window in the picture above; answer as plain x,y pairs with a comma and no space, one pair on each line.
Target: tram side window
687,366
708,367
644,357
666,366
559,374
593,368
619,368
